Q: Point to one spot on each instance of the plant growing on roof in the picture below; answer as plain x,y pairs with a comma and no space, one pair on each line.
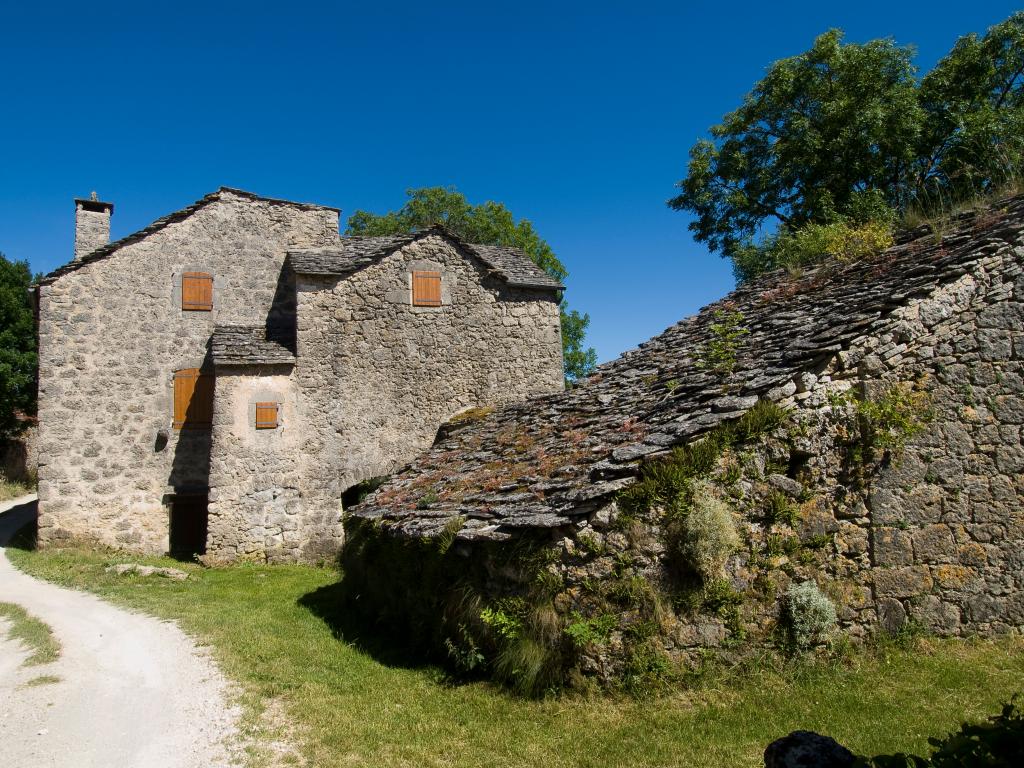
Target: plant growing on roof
726,334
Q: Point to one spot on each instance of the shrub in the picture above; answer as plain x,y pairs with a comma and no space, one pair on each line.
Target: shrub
707,533
997,742
809,615
845,239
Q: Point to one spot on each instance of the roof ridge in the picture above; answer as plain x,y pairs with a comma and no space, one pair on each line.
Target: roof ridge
512,264
161,223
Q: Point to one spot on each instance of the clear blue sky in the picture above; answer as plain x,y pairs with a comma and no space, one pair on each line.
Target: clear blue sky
577,116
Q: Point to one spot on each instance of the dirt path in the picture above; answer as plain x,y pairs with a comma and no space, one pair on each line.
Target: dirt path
134,691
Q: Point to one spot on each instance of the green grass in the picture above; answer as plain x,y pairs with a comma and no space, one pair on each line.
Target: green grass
350,708
35,682
30,631
11,489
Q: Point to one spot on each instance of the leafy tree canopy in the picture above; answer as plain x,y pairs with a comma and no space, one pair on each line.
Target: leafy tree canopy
489,223
833,131
17,345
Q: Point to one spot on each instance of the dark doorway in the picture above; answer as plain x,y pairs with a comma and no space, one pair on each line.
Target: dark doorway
188,526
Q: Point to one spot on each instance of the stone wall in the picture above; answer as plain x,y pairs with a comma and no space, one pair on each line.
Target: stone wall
111,335
931,533
374,378
894,484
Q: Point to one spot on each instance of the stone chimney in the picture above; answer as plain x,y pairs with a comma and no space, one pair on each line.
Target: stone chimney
92,224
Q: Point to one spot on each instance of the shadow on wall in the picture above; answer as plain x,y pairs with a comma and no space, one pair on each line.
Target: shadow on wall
18,456
190,471
281,323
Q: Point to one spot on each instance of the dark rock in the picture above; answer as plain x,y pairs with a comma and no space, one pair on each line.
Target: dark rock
806,749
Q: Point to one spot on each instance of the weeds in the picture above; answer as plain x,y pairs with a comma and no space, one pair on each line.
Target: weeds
726,335
887,422
36,636
594,631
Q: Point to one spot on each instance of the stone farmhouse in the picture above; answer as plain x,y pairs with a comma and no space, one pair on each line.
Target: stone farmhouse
216,381
857,426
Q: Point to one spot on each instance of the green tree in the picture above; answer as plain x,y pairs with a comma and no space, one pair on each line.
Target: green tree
17,345
489,223
973,134
821,126
845,135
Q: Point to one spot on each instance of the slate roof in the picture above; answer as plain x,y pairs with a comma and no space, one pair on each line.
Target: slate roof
164,221
510,264
541,463
248,345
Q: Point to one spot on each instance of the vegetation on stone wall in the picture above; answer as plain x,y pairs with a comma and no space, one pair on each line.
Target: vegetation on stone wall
403,586
885,421
810,617
488,223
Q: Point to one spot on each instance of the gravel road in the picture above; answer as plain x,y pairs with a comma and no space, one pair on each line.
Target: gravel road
134,691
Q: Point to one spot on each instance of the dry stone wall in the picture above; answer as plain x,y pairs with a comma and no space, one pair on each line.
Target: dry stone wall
894,483
112,333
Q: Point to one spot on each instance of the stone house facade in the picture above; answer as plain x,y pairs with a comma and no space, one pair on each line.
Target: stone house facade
215,381
863,434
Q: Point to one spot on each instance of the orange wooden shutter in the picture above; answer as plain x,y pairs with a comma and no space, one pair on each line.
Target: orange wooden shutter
197,291
184,388
426,289
266,415
193,399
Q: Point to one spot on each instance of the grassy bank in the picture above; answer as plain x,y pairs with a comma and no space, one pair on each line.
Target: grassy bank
272,630
10,489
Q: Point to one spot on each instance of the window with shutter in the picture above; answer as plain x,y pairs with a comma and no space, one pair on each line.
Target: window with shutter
193,399
196,291
266,415
426,289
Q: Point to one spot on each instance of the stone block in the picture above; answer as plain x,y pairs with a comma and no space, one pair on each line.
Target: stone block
934,544
995,345
891,546
938,616
908,581
892,616
953,577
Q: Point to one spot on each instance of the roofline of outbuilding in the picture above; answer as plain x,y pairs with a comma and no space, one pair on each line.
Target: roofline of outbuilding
392,243
165,221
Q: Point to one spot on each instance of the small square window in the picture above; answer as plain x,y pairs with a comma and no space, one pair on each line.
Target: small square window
426,289
196,291
267,415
